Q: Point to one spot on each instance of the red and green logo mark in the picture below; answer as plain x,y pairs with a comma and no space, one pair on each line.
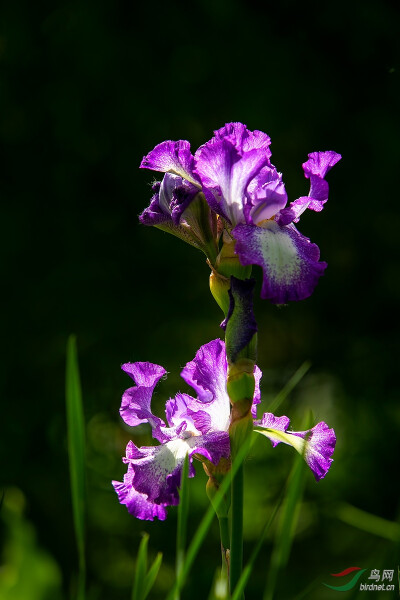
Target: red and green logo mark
350,584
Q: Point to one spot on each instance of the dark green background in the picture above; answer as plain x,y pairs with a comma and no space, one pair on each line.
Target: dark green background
86,89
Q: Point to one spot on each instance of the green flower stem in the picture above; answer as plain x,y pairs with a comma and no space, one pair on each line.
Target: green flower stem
225,545
233,291
236,557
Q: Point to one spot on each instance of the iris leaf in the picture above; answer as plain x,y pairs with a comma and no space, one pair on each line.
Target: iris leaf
152,575
76,452
205,524
239,589
141,568
290,385
287,522
144,580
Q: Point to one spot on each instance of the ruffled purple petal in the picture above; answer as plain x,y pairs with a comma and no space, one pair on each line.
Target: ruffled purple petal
154,473
173,157
243,139
267,194
316,444
270,421
315,169
226,172
290,262
319,163
207,374
185,409
136,503
136,401
173,196
320,445
155,214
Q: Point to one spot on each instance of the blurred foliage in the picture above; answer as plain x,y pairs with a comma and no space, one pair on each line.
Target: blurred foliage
86,89
27,571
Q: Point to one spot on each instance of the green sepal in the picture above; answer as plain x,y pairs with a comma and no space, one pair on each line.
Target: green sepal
228,264
197,227
216,474
203,225
219,287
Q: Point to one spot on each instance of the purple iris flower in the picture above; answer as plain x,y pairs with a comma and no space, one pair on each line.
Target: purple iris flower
234,172
197,427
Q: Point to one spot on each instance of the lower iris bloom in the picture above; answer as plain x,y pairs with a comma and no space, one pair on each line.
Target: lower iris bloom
197,427
234,175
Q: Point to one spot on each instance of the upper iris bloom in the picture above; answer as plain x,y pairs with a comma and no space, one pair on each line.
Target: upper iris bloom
198,427
234,172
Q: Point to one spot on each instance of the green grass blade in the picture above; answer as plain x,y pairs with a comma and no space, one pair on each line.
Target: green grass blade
183,512
287,523
141,568
76,451
389,530
205,524
239,589
290,385
152,575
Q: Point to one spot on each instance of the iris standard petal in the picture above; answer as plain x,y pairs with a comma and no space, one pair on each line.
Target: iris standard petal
225,173
185,409
136,401
243,139
267,194
290,262
206,374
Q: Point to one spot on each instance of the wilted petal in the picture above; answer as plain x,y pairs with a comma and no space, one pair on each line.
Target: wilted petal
257,392
173,157
290,262
316,444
